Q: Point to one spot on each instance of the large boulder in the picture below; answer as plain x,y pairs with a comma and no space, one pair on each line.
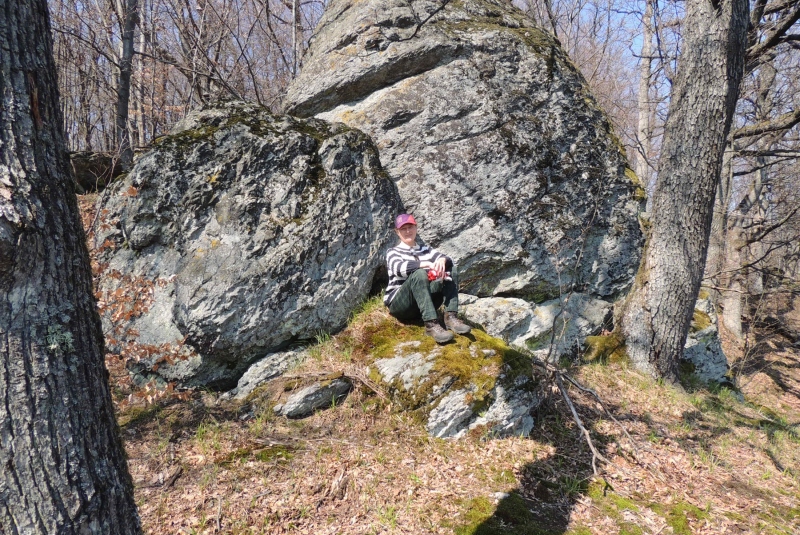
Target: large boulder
237,234
492,137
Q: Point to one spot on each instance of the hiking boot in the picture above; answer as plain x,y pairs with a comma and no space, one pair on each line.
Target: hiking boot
452,321
434,330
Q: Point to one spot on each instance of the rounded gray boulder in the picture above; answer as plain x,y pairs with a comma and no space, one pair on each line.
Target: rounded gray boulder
245,231
492,137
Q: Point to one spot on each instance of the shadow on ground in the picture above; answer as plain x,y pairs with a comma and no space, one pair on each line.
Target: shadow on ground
550,487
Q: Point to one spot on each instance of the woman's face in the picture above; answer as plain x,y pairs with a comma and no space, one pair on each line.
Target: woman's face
407,234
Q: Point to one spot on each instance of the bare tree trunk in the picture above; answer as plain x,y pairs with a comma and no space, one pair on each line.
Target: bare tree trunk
128,14
733,294
729,242
644,104
719,224
655,319
63,466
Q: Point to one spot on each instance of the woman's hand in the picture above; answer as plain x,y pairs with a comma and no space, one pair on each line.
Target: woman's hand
439,266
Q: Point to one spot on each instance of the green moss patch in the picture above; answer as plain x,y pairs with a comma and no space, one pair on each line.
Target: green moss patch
680,515
512,517
700,320
610,503
639,193
475,361
610,348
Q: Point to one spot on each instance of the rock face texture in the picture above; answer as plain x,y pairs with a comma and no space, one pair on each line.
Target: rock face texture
245,231
265,369
491,136
475,382
318,396
519,323
703,350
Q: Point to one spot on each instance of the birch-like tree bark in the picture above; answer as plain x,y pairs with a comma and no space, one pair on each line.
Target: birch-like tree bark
655,319
63,466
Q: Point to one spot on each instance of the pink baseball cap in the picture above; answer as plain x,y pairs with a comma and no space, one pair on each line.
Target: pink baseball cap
404,219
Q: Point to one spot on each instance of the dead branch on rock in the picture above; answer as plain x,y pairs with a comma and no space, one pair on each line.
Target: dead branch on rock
349,372
355,375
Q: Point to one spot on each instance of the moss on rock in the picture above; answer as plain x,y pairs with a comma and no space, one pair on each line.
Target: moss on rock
422,372
608,348
700,321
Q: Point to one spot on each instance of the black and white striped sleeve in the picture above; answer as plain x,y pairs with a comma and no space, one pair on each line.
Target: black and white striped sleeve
400,264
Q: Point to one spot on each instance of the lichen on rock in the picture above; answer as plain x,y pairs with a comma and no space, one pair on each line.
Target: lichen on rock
259,229
492,137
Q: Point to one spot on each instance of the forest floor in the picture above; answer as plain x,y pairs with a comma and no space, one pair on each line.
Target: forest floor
694,460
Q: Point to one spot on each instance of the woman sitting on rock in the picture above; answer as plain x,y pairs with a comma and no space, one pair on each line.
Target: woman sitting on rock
421,279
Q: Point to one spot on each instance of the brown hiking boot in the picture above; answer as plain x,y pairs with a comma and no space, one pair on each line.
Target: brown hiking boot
452,321
433,329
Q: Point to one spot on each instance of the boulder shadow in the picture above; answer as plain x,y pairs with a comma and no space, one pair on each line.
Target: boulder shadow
550,487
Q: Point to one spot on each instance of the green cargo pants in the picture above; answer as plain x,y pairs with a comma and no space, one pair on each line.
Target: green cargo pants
420,297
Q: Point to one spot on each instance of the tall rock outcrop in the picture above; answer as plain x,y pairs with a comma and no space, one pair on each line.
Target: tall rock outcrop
491,136
239,233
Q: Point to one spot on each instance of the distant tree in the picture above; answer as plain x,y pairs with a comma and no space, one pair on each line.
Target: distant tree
63,465
656,316
128,14
128,69
756,221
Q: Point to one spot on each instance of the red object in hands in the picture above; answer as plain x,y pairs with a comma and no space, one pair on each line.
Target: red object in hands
432,275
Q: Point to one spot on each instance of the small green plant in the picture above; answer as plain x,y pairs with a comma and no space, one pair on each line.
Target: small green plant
322,337
388,516
708,459
572,486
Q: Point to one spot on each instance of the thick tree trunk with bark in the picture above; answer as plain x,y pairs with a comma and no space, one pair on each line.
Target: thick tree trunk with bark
655,319
63,466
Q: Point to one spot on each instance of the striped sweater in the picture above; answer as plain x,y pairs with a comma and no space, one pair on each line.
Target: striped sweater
402,261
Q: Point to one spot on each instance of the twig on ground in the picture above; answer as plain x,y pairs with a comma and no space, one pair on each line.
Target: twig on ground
596,396
595,454
219,514
364,380
557,376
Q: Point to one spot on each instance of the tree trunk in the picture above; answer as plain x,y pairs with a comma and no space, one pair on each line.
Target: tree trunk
727,251
655,319
128,14
644,104
715,258
63,466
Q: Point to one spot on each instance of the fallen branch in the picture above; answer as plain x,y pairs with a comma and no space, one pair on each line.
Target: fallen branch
558,376
367,382
219,514
350,373
596,396
595,454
